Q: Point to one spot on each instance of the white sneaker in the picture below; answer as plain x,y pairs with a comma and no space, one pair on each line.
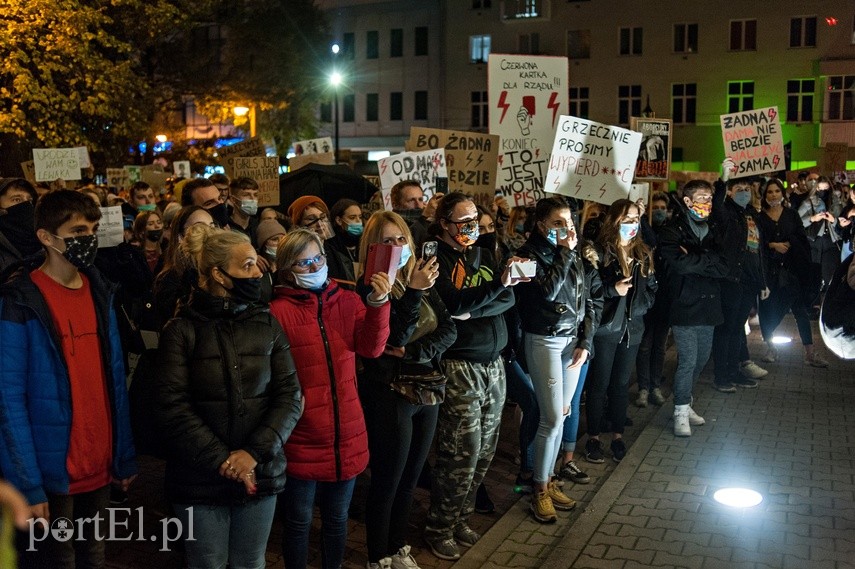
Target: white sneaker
751,370
771,354
402,560
384,563
694,419
681,421
641,400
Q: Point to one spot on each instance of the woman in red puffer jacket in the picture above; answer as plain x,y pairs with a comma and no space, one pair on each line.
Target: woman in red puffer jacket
327,326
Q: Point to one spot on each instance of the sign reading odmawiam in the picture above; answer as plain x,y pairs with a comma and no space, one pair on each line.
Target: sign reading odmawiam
592,161
752,139
527,94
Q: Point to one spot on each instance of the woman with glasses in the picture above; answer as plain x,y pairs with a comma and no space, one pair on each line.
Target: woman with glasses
400,432
312,213
328,326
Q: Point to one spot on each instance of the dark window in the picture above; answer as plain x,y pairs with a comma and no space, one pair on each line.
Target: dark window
629,102
579,44
684,103
631,40
479,4
740,96
421,41
349,108
841,98
371,107
685,38
480,109
372,51
396,106
348,46
800,100
579,102
421,106
803,31
326,112
396,47
743,35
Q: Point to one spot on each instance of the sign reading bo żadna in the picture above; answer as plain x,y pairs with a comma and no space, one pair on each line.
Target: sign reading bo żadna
592,161
752,139
527,94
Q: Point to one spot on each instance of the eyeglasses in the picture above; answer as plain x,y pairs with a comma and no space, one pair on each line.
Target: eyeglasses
318,261
467,225
309,222
702,199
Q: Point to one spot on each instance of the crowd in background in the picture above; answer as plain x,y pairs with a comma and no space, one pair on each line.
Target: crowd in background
264,363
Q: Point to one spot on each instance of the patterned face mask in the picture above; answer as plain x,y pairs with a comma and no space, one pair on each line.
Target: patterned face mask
79,251
700,211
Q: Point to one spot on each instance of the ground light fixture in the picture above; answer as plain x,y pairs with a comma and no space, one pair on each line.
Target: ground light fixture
781,339
738,497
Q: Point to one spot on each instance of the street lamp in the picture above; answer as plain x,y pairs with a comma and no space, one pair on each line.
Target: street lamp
244,111
335,81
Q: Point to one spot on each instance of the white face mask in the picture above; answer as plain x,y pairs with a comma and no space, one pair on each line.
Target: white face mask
271,251
311,281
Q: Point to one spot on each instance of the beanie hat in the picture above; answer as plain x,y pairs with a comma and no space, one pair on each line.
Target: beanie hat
300,204
267,229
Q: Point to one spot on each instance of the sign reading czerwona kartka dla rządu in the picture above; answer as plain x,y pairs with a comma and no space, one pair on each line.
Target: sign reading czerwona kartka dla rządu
527,94
592,161
752,139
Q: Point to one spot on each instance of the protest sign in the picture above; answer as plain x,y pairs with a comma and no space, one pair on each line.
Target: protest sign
56,164
834,157
181,168
470,159
313,146
154,178
29,169
592,161
752,139
297,162
118,178
527,94
83,157
110,227
654,155
250,147
134,174
264,170
422,167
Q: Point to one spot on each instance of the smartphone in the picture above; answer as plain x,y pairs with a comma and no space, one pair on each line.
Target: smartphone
524,269
428,250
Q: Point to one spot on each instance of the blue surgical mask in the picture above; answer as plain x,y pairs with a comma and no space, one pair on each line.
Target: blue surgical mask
742,199
271,251
628,231
249,207
659,216
146,207
311,281
354,229
406,253
554,234
519,228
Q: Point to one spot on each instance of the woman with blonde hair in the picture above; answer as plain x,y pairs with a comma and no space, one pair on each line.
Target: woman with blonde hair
400,430
227,399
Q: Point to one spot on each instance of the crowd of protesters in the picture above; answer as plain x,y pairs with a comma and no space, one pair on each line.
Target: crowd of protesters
265,364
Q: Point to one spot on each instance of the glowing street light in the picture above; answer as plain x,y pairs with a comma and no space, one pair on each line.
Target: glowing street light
335,49
241,111
738,497
161,138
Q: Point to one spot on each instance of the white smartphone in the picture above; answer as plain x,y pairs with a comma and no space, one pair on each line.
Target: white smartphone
525,269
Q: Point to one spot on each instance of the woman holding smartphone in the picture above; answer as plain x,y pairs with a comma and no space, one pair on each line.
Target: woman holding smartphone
400,432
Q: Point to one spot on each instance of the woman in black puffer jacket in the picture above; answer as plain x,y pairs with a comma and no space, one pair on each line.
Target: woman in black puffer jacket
227,400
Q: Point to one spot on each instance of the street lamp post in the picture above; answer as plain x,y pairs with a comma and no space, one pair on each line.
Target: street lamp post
335,81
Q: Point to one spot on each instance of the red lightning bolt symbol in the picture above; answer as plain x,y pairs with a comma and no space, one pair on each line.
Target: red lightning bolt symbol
776,159
383,168
503,105
772,114
553,104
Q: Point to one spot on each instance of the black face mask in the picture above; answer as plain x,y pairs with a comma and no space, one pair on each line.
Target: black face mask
80,251
220,214
154,235
487,241
17,225
244,290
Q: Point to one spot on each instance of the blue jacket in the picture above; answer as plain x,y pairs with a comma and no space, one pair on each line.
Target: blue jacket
35,391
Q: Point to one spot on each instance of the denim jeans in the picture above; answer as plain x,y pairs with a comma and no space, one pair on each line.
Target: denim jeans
298,505
521,390
227,535
693,344
571,421
554,386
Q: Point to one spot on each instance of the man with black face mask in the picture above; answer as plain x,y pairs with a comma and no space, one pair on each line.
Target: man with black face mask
202,192
408,201
17,235
64,418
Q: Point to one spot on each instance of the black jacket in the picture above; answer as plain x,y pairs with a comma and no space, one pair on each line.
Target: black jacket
623,316
691,270
421,355
225,381
743,265
564,298
9,255
470,284
340,261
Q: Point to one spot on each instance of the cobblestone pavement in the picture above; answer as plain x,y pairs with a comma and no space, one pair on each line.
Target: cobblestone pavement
791,440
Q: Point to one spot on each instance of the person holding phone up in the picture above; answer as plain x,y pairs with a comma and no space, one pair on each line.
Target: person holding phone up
400,432
559,310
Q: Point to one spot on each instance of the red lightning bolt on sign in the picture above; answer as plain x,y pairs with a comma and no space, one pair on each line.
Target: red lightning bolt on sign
383,168
776,159
503,105
553,104
772,114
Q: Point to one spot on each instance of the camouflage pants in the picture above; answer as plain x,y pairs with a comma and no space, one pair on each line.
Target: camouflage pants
466,434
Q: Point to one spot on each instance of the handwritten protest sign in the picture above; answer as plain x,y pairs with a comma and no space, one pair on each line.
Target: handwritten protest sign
297,162
592,161
134,174
752,139
118,178
250,147
834,157
654,155
29,169
264,170
181,168
423,167
470,159
313,146
83,157
110,227
527,94
56,164
157,179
